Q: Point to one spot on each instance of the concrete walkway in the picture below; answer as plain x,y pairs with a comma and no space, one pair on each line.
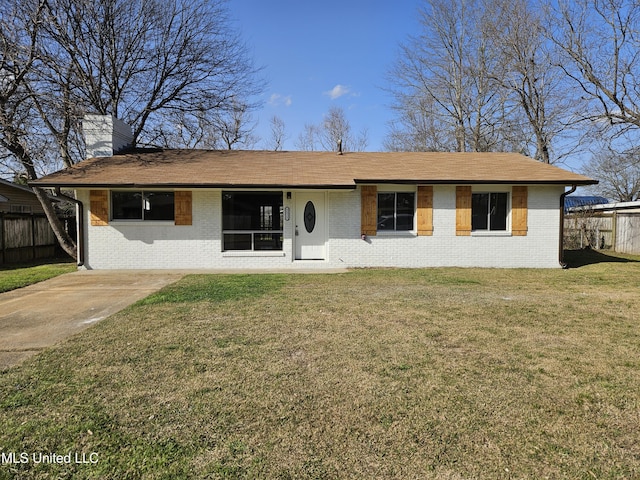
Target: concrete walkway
40,315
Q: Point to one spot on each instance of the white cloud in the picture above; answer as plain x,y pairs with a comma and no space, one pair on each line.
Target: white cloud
276,100
337,91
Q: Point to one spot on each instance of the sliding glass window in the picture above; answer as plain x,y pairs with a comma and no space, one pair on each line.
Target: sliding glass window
141,205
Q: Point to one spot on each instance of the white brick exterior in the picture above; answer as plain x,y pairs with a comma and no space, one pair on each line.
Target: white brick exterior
163,245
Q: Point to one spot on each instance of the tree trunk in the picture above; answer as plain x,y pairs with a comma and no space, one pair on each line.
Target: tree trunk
13,143
66,242
542,150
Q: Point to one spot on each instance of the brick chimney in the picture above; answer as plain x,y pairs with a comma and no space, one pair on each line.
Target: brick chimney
105,135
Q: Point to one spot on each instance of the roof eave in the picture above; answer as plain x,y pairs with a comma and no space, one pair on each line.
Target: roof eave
309,186
474,182
182,186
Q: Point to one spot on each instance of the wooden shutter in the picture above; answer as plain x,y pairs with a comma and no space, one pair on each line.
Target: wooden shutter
99,207
183,204
463,210
519,196
369,210
425,210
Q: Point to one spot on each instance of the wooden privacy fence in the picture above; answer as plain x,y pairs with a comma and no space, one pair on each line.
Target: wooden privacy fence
26,237
617,231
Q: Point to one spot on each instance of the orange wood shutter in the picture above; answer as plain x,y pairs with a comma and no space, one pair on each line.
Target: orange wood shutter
99,207
183,208
425,210
369,210
463,210
519,196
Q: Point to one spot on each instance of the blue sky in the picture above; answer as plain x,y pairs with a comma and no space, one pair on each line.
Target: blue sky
317,54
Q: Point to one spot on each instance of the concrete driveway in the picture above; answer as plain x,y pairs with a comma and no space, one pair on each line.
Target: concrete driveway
38,316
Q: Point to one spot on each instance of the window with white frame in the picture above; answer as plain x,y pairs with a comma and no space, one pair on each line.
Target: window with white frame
489,211
396,211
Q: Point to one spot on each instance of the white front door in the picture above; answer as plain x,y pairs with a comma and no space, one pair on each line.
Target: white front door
310,229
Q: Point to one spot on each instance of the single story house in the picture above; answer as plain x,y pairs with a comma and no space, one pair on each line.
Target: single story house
204,209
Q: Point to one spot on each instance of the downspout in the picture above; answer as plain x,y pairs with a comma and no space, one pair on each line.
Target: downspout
79,223
563,264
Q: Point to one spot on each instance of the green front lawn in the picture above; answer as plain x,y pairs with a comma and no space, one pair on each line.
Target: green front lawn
431,374
18,276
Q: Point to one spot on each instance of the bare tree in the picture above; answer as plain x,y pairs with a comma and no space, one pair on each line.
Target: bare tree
148,62
19,57
618,173
528,72
226,128
335,130
446,69
234,127
360,142
185,129
278,134
308,139
417,128
138,59
480,77
600,40
332,134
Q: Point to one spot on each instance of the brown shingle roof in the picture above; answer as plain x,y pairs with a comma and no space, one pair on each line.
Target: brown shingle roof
238,168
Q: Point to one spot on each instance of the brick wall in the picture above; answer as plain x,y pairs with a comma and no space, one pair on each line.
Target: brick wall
538,249
148,245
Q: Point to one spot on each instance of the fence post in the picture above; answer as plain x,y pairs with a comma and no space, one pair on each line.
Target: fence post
614,230
2,237
33,236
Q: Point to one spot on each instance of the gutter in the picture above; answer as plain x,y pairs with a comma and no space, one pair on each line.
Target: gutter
441,181
79,223
563,264
189,186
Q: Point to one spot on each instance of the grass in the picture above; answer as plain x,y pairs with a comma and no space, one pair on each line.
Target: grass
434,374
18,276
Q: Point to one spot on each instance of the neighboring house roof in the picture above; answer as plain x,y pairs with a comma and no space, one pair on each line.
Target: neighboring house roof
17,187
604,207
18,198
265,169
572,201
